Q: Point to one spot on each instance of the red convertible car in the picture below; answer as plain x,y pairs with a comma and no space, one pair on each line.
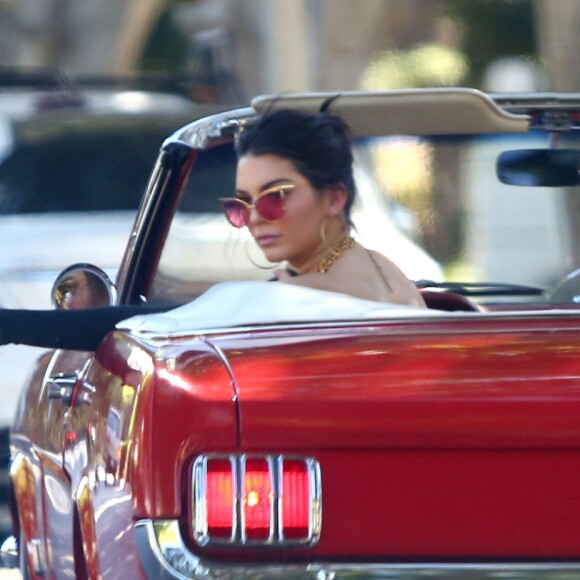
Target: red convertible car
270,431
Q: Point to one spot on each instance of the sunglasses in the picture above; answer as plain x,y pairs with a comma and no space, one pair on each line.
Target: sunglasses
269,204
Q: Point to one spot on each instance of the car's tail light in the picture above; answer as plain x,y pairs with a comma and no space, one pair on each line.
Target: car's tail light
258,499
249,500
296,490
220,499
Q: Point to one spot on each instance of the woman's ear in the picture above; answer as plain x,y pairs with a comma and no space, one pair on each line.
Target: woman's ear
336,196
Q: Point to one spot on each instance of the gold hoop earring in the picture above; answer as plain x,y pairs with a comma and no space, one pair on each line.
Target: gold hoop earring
323,235
247,251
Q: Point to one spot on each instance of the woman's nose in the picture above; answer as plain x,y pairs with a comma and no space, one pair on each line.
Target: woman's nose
255,217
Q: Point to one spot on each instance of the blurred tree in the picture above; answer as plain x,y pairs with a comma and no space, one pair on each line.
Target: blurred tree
339,60
166,47
492,29
426,65
141,19
558,25
79,35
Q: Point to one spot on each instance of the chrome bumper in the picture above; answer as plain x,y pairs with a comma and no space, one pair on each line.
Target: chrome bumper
164,555
9,552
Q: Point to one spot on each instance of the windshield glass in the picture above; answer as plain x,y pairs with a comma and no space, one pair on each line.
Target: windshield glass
479,229
434,205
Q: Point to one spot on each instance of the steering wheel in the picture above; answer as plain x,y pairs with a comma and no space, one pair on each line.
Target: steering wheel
568,290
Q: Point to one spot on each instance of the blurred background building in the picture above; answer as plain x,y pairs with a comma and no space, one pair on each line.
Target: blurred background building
227,51
281,45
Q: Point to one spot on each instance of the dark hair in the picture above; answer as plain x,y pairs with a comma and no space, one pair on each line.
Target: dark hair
319,146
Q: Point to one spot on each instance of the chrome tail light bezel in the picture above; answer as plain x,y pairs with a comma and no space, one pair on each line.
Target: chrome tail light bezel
239,536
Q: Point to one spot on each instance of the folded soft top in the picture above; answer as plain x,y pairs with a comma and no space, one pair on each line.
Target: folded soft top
233,304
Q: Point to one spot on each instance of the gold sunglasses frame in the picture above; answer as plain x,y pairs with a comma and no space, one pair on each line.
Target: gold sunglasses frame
252,205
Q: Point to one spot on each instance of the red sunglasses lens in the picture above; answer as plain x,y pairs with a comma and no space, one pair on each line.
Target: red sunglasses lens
271,205
236,212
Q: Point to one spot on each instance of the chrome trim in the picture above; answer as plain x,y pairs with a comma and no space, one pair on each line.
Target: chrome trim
201,133
437,316
85,394
315,499
547,100
9,554
61,387
164,555
36,553
32,549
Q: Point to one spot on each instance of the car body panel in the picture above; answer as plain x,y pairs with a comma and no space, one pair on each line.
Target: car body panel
483,421
452,383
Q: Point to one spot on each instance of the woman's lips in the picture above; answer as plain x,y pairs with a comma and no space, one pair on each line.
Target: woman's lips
266,240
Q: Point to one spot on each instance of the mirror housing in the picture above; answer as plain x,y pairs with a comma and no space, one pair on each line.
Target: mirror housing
539,167
83,286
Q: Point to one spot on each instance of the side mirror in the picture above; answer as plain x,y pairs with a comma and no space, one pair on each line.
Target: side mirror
83,286
539,167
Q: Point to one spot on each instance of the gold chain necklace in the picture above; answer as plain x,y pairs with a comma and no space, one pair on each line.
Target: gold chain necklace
335,253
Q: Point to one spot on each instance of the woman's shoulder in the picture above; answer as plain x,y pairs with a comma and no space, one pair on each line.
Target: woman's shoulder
380,276
380,260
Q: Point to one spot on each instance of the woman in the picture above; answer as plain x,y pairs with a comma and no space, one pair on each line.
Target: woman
294,191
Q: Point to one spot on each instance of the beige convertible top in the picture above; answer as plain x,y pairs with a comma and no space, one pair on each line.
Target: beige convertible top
409,112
